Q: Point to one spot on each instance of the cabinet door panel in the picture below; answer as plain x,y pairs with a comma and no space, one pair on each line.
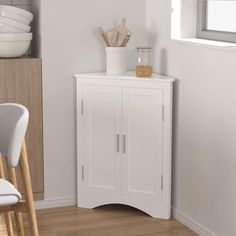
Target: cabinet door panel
101,123
143,128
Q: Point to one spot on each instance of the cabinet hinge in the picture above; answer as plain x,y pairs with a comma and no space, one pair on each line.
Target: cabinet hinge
163,113
82,107
82,173
162,182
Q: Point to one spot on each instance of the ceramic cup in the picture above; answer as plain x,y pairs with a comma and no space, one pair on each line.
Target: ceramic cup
116,61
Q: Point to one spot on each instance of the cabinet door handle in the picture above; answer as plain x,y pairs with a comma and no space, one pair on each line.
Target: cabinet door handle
124,143
82,172
118,143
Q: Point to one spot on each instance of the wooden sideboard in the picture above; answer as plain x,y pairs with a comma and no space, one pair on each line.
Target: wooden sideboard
21,82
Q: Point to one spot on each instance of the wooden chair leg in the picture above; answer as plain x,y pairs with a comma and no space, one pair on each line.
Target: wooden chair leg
8,214
19,224
9,224
18,215
24,165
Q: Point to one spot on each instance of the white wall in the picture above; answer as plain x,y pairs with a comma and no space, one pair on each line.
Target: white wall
204,149
69,45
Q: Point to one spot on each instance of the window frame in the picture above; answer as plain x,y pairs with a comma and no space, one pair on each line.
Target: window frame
202,31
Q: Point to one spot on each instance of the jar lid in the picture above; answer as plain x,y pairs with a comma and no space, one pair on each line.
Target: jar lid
143,49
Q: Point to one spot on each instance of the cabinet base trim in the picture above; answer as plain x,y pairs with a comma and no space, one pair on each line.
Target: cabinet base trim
157,212
55,202
191,223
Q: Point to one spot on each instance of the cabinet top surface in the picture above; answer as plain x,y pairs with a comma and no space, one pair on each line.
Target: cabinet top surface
128,76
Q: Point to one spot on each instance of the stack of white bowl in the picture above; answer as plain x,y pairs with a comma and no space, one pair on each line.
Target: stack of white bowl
15,36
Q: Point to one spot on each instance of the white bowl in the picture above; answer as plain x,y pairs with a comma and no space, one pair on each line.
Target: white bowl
11,26
17,14
14,45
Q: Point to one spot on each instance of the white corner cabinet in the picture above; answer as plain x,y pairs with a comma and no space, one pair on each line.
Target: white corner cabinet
124,132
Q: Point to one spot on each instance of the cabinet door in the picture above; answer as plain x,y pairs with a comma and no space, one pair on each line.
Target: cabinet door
100,159
142,147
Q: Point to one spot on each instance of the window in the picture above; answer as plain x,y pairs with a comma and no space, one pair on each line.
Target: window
217,20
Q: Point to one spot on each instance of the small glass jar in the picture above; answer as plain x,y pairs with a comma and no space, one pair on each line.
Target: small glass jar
144,62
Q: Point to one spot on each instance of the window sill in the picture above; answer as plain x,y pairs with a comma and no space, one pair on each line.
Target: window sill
206,43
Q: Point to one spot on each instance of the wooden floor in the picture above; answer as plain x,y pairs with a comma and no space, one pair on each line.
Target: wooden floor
113,220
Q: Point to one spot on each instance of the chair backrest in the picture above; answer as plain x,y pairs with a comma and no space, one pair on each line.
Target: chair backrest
13,125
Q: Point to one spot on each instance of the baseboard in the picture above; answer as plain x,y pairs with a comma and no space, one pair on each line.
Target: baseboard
192,224
55,202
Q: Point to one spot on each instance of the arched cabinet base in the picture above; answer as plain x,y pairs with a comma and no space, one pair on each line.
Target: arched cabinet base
151,212
124,142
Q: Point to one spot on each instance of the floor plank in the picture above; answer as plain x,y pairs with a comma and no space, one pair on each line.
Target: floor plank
112,220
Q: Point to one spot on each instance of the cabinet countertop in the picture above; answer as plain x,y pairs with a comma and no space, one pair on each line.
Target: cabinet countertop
128,76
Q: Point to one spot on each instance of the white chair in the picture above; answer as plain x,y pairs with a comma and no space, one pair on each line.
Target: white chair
13,125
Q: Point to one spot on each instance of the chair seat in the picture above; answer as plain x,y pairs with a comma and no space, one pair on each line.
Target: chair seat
8,194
